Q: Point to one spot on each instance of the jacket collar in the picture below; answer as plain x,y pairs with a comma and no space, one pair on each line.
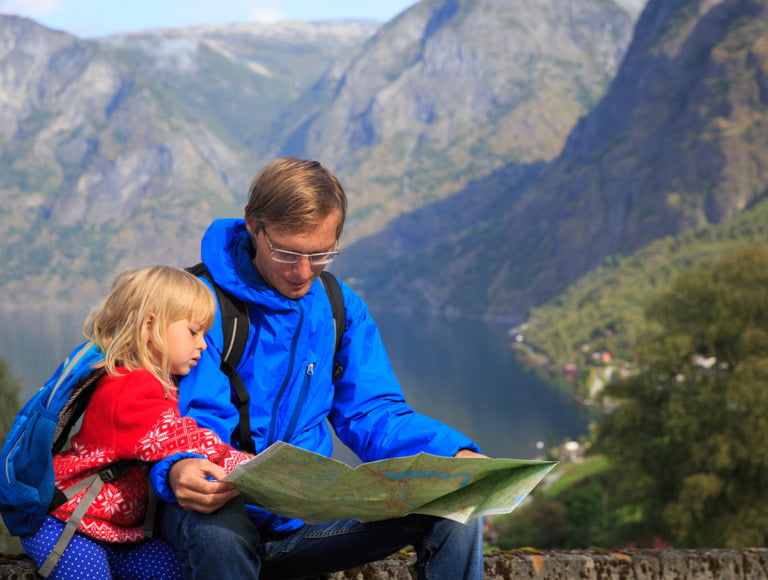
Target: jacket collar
227,251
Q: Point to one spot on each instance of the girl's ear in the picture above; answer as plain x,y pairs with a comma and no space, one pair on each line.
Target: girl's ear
149,324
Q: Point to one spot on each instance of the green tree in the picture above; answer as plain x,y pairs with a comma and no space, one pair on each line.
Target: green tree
540,525
9,406
688,437
569,514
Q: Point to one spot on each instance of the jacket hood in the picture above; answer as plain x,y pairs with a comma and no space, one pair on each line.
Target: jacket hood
227,251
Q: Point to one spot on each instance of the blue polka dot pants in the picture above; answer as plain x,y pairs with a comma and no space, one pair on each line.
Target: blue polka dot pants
93,559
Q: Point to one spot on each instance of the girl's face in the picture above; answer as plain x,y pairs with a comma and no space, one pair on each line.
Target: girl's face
185,343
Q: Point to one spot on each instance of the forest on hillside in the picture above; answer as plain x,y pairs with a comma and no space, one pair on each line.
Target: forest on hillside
680,458
604,311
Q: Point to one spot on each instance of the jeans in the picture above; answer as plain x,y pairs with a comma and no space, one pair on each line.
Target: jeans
226,544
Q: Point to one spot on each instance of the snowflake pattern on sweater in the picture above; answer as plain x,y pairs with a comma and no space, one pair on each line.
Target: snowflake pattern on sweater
129,417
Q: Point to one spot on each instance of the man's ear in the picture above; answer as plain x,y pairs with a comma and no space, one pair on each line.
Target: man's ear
252,224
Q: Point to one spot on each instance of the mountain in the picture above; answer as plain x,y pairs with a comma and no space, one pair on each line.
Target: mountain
678,142
451,90
118,152
237,78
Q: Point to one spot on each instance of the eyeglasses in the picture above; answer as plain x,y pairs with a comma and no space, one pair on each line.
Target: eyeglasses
288,257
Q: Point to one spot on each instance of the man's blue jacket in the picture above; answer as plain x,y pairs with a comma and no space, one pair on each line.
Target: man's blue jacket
287,366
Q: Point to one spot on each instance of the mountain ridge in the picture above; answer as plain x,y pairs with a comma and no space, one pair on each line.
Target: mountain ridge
92,141
633,170
449,91
129,159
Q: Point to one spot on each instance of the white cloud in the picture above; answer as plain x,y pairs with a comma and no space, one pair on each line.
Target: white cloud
29,8
266,15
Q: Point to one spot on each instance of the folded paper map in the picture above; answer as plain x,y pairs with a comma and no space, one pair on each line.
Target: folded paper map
293,482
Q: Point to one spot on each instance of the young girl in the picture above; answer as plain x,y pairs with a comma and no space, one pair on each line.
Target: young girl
150,328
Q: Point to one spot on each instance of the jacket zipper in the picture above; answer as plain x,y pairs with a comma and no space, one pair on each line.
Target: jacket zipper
300,402
289,372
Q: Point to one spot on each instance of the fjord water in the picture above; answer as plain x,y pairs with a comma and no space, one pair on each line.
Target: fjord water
461,372
464,373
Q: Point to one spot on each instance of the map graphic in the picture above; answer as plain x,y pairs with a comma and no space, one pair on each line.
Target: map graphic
293,482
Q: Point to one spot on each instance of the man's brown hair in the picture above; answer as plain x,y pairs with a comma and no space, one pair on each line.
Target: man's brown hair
294,194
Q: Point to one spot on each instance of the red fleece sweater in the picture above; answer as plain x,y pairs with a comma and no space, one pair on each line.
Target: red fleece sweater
129,417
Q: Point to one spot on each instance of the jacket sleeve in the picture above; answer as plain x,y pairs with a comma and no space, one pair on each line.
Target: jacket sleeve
158,476
370,414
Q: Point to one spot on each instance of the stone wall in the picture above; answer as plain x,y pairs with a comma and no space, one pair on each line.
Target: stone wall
595,564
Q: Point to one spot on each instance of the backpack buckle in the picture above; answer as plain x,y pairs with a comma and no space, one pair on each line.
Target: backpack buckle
112,472
109,474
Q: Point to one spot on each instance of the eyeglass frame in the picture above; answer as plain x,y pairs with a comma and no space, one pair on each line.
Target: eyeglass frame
330,256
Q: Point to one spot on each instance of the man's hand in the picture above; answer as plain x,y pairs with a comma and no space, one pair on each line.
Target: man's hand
468,453
189,481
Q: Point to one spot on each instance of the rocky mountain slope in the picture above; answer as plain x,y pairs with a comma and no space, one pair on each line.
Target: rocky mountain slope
452,90
678,142
118,152
237,78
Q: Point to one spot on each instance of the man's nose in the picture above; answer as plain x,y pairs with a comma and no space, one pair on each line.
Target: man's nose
303,267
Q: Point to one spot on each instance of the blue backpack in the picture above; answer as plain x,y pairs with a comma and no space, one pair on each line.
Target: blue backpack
39,431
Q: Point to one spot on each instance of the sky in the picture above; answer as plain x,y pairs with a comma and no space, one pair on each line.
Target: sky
90,18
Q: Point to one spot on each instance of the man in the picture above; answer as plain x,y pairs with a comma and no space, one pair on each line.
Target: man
272,260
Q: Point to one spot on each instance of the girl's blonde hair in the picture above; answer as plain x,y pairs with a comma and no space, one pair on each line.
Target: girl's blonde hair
130,325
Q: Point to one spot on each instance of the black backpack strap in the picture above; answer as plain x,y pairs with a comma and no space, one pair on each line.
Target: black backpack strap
235,327
242,402
333,289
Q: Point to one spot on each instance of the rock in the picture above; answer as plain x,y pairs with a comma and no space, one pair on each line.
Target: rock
593,564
